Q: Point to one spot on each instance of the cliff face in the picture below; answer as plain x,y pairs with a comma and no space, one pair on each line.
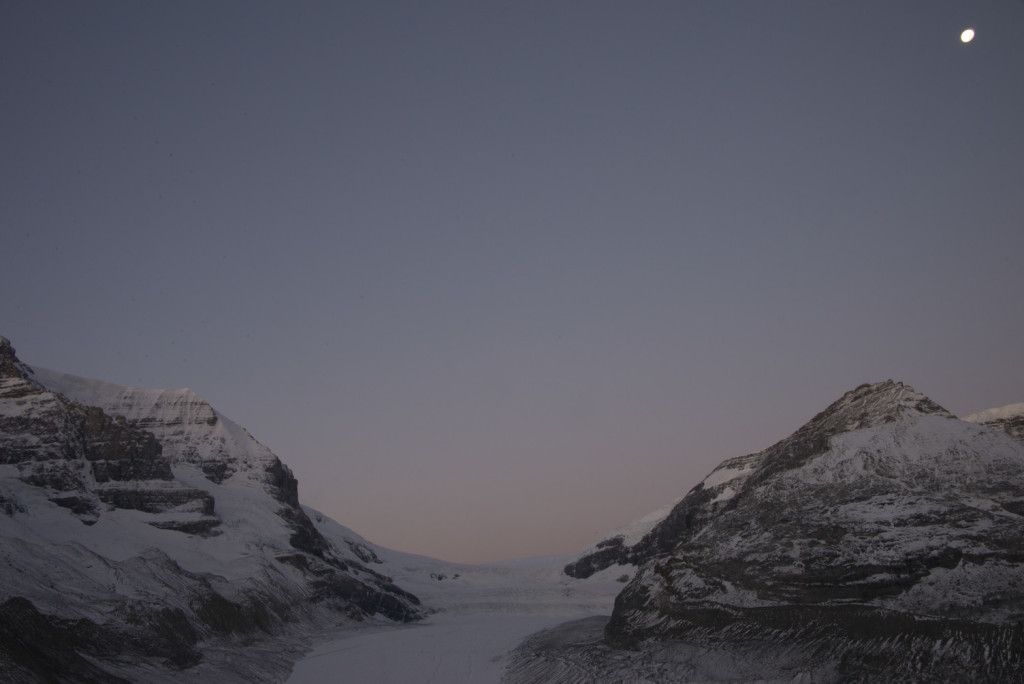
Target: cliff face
193,437
882,539
140,529
86,460
188,428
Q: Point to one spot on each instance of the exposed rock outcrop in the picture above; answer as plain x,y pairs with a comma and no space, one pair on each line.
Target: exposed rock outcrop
85,459
193,434
1008,419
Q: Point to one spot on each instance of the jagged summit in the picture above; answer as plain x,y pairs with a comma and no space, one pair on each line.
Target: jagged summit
873,404
867,406
10,367
9,363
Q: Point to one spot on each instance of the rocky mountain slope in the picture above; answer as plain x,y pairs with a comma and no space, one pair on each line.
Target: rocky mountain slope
1009,419
879,541
143,534
640,541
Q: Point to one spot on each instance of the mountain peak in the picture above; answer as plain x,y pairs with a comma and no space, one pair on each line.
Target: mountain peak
880,402
875,538
15,377
867,406
10,367
870,405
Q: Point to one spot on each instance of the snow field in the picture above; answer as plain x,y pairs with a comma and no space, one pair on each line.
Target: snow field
484,611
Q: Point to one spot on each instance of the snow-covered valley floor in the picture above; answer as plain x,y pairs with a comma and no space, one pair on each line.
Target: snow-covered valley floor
483,612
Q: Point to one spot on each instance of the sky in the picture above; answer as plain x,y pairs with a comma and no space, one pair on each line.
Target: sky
494,278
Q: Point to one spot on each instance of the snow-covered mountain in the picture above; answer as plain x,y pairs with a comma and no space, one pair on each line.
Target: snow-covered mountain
1009,419
144,535
629,546
880,541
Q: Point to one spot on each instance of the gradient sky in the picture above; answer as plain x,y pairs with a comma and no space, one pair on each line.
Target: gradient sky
495,278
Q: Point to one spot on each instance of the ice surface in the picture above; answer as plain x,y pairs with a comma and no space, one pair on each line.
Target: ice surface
447,648
483,612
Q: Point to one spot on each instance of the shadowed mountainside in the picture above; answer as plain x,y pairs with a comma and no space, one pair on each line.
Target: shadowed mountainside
142,531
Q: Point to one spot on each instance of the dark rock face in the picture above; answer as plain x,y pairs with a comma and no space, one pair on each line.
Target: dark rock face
1009,419
1014,427
118,451
881,540
36,648
82,456
282,483
191,432
611,552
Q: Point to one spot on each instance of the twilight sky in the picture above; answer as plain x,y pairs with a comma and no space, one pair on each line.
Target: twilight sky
496,278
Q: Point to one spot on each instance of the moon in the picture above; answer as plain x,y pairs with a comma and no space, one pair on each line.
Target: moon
967,36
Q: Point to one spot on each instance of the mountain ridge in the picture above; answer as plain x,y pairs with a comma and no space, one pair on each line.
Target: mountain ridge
1009,419
142,541
147,536
867,405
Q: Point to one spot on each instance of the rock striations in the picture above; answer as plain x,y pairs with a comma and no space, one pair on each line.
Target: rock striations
1009,419
141,531
881,541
